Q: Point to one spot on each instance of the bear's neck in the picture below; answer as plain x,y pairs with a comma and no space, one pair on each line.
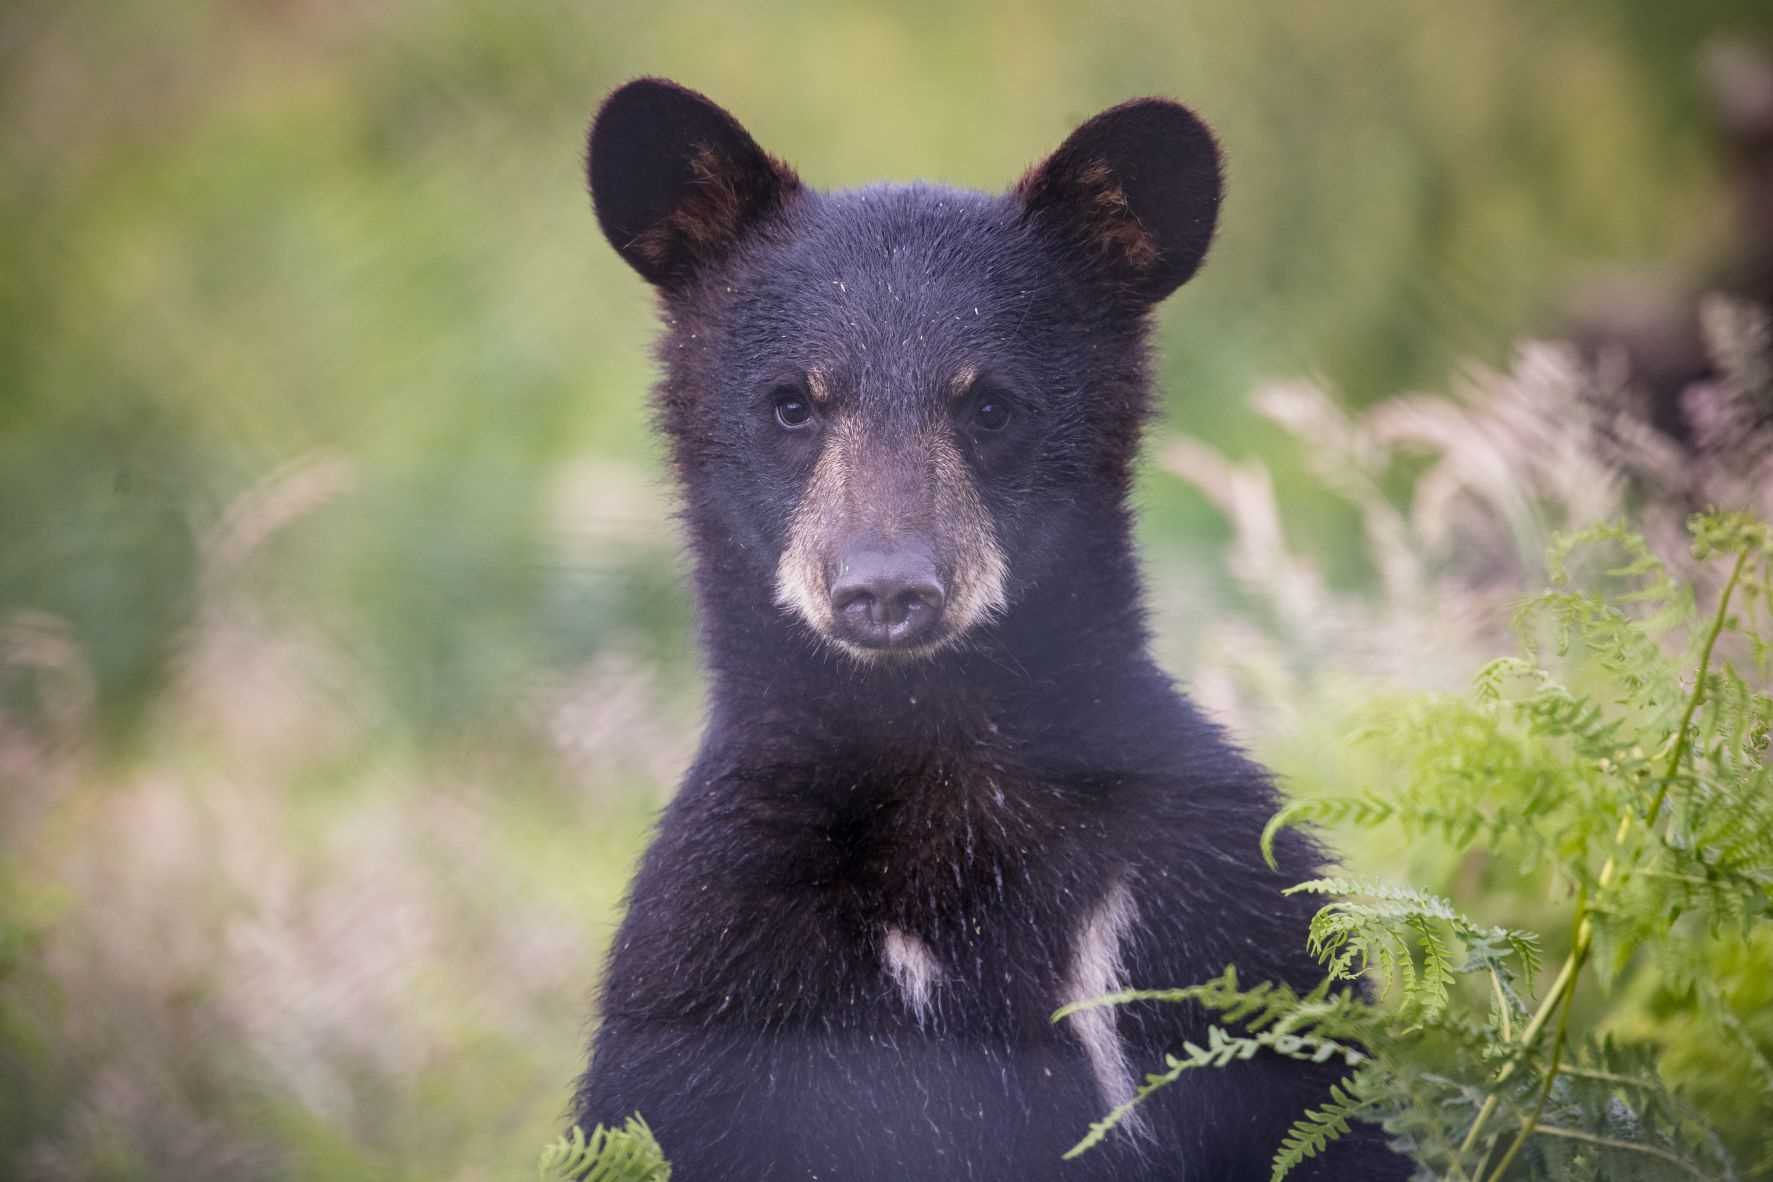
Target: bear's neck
1064,669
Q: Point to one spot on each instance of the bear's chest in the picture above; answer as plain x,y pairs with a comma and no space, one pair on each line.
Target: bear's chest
930,932
956,903
916,1025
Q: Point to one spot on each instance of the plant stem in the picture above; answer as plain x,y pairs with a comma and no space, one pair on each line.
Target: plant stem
1529,1035
1565,985
1615,1143
1557,1055
1502,1005
1613,1077
1682,735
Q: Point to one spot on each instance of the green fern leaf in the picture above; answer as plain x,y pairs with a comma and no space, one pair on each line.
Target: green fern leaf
1312,1133
628,1154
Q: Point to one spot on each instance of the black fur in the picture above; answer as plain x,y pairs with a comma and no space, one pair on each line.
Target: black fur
985,798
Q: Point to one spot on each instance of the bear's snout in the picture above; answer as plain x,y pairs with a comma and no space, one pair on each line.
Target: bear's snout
890,551
887,596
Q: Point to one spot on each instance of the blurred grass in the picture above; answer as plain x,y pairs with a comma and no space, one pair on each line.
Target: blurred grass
343,640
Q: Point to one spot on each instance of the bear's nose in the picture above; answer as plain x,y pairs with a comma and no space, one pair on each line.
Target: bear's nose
887,596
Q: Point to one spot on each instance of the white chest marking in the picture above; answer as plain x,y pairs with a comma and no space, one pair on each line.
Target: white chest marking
1096,969
913,968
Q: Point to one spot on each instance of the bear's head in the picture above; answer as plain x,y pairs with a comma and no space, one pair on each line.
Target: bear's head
899,410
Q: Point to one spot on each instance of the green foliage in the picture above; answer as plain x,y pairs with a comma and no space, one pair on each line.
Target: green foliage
1623,757
1319,1126
627,1154
1272,1019
1403,934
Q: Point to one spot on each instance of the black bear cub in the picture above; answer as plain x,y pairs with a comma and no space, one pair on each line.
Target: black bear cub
944,789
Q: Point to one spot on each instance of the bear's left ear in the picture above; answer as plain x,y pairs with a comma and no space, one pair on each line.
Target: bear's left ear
1132,196
676,180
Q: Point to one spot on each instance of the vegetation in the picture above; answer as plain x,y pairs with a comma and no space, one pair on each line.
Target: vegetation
1625,766
627,1154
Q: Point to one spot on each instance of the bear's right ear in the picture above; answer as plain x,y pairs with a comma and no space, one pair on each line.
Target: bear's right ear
676,181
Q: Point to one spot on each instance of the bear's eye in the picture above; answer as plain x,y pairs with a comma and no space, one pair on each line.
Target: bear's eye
992,413
793,410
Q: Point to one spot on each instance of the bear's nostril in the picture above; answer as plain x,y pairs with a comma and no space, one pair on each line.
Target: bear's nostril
906,602
856,600
887,598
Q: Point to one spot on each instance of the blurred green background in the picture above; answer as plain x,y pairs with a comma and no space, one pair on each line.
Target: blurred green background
344,643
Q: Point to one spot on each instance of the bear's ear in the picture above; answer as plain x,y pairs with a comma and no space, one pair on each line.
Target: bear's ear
676,181
1132,197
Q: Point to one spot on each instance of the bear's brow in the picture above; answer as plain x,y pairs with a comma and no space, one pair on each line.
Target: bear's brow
818,384
963,381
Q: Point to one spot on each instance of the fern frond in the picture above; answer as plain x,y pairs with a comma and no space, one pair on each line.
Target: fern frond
1312,1133
1220,993
627,1154
1222,1049
1365,812
1350,937
1488,685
